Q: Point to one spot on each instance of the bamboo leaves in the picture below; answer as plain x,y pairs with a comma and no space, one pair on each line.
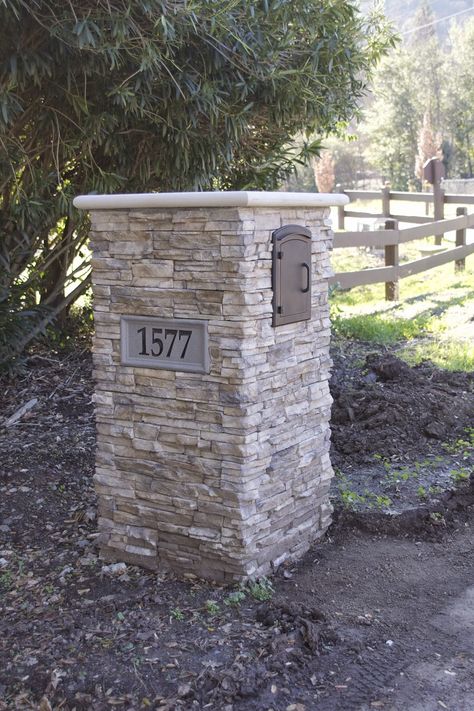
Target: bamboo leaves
142,95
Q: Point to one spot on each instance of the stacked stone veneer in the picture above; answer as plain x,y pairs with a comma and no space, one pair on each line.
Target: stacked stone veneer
224,475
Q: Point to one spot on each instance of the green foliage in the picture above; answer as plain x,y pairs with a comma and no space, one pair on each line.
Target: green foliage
463,445
212,608
177,614
459,475
459,97
422,493
423,77
6,580
261,589
145,95
382,329
380,501
350,498
235,598
456,355
393,119
387,465
430,323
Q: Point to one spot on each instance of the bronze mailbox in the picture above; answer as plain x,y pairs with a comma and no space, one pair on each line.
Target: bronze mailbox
291,275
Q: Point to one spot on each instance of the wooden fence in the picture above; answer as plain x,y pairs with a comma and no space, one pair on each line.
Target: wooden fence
391,237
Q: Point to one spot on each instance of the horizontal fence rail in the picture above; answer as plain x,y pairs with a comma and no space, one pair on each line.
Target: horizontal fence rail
391,237
438,197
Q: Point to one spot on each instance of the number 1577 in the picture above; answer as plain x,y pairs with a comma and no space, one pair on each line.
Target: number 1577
161,340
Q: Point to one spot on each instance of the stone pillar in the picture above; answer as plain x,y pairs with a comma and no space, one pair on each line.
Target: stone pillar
223,473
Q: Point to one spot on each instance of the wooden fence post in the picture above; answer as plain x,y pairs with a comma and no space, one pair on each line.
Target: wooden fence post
438,198
460,264
340,210
386,200
391,260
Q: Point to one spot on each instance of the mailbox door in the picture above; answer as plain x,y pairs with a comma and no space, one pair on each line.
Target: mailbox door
291,275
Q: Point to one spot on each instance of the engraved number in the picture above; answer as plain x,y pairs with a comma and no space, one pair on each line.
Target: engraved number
188,335
157,340
155,332
143,332
173,332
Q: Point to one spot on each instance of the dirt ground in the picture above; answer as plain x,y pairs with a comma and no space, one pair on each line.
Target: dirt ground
379,615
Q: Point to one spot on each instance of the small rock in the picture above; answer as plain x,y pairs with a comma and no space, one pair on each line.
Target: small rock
114,569
66,570
90,515
435,430
45,705
184,690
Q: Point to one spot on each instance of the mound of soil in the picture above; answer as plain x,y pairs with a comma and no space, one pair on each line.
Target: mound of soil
383,406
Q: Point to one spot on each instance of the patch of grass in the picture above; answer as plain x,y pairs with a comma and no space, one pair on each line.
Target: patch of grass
379,328
434,312
454,355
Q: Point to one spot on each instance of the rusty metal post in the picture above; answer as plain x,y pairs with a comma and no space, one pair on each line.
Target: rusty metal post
391,260
460,264
340,210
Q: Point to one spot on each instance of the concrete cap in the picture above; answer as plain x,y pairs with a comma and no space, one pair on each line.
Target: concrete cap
209,199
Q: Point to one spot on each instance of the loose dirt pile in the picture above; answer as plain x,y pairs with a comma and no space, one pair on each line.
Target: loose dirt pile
386,407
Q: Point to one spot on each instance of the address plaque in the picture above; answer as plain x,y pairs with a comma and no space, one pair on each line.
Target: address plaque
171,344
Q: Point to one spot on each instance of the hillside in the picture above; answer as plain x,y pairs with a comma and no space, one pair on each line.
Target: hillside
403,12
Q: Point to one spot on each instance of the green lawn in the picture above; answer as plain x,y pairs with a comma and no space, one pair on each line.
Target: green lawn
434,318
